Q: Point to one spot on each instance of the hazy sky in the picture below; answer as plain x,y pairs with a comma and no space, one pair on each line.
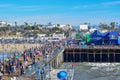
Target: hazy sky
60,11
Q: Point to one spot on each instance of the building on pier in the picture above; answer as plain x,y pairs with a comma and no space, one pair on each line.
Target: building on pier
107,38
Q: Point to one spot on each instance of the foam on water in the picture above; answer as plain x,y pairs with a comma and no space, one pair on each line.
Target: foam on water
96,71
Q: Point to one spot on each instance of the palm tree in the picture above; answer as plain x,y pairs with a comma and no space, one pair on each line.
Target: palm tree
35,23
103,26
68,24
58,25
15,24
9,27
49,23
26,24
15,27
112,25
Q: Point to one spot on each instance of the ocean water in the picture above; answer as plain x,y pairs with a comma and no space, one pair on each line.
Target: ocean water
95,71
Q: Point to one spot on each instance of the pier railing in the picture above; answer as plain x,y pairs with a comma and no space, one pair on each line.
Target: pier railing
54,55
31,73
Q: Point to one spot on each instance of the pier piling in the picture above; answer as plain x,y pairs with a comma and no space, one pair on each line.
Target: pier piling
91,55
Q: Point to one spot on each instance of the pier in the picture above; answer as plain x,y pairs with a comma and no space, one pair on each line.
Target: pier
52,63
56,59
107,54
74,55
92,54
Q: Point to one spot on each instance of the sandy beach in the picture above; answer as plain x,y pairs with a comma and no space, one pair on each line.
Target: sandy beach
16,47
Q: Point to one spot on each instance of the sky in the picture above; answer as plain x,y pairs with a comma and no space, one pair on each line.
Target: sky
72,12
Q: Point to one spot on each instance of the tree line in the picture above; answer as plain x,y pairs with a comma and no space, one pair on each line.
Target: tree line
110,27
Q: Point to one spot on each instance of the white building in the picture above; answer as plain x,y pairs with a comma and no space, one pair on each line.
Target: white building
41,35
84,27
51,25
65,27
62,26
60,36
3,24
92,30
103,31
71,27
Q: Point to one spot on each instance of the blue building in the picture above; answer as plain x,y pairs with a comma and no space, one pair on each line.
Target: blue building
113,37
107,38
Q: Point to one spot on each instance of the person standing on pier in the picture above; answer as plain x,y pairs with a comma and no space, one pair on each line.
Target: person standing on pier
1,75
47,56
38,73
22,69
72,65
42,74
12,69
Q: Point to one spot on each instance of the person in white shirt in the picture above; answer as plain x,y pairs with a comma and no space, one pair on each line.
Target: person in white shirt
26,64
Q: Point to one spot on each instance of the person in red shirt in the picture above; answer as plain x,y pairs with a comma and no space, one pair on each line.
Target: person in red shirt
72,65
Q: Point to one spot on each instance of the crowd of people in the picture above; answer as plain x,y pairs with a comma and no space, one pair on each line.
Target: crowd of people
20,61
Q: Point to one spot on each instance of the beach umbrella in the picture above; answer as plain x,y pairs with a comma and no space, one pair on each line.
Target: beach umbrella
62,75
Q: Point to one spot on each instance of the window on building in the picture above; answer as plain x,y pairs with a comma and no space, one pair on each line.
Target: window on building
113,37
